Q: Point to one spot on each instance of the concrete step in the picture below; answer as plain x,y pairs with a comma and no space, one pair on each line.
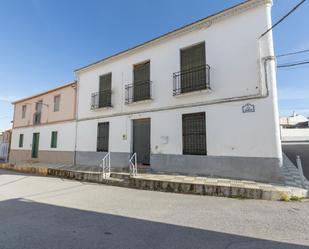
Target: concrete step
140,169
120,175
116,182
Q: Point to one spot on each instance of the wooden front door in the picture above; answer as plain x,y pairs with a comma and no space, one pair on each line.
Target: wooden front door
141,140
35,145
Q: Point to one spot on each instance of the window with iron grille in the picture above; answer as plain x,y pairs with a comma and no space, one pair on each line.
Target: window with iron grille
103,137
194,134
105,86
21,140
193,70
54,137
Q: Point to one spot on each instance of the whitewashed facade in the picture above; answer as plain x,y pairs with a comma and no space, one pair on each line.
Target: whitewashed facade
240,108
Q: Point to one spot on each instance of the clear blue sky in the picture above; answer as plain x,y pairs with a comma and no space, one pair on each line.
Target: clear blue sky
43,41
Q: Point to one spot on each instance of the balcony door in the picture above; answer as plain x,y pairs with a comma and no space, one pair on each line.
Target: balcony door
105,88
141,81
193,71
38,106
38,111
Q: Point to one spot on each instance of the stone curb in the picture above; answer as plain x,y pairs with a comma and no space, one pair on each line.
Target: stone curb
61,173
222,189
24,169
215,189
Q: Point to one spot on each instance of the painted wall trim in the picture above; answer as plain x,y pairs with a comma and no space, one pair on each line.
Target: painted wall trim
43,124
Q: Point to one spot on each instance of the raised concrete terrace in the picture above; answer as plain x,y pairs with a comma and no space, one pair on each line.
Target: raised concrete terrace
234,188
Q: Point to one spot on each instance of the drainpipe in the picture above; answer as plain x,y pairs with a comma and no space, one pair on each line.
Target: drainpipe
76,118
268,61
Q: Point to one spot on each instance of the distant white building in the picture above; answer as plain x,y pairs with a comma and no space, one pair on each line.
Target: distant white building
5,141
169,99
294,121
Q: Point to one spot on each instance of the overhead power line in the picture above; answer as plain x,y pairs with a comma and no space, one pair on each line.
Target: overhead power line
292,53
293,64
285,16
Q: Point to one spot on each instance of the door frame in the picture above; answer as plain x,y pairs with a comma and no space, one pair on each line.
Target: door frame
35,152
132,137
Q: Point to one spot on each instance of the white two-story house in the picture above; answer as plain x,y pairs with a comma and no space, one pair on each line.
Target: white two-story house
198,100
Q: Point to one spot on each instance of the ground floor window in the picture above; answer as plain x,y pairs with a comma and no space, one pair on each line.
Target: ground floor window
194,134
103,135
21,140
54,137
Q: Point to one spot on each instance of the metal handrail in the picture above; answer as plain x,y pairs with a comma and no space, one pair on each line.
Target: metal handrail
192,79
106,165
300,170
138,91
133,165
101,99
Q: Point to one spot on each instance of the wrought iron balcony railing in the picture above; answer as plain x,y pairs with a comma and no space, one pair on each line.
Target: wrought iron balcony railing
138,91
101,99
37,118
193,79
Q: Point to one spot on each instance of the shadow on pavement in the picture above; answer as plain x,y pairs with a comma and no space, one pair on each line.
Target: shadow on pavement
26,224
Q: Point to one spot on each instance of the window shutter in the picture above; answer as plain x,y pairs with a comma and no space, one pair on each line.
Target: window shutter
193,57
193,71
142,72
141,83
56,103
105,82
24,109
38,106
105,86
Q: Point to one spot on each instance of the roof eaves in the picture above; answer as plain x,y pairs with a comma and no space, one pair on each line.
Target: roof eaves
45,92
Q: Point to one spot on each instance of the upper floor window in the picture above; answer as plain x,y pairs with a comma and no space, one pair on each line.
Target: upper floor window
105,86
38,112
141,87
56,103
194,73
103,98
38,106
24,109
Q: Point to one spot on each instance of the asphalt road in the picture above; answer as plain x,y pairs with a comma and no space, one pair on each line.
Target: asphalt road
40,212
301,149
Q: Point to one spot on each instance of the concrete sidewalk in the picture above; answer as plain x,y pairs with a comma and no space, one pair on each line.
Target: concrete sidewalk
167,183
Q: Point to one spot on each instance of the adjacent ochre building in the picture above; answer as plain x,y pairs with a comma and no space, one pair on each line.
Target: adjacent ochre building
44,127
198,100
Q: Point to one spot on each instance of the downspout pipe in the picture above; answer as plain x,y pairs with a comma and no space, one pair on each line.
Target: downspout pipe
76,119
